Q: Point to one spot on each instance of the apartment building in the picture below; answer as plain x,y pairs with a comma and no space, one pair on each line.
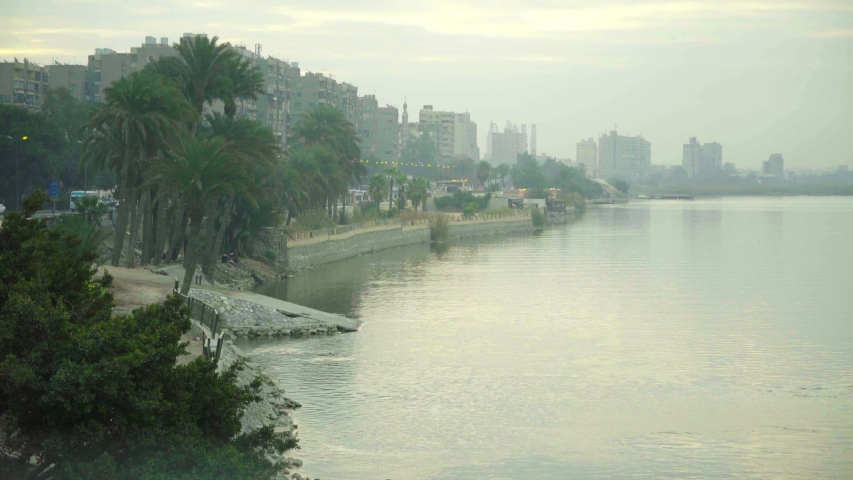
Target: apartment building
23,83
454,134
347,101
701,159
379,130
587,154
505,146
624,157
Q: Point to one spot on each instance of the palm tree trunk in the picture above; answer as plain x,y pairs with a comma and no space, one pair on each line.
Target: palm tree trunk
209,236
390,196
191,258
178,234
220,234
135,219
120,229
160,233
147,229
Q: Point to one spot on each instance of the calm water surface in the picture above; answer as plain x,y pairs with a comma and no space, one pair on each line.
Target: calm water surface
711,338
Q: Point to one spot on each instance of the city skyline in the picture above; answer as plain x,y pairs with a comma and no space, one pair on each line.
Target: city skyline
759,78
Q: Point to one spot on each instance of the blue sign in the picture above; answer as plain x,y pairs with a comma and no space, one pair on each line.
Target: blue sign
54,191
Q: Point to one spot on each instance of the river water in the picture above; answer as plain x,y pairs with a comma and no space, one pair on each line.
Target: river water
711,338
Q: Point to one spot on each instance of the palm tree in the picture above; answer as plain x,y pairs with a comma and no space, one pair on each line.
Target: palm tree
141,114
393,174
503,170
484,172
199,171
325,125
92,209
203,65
401,191
418,192
246,82
254,146
377,188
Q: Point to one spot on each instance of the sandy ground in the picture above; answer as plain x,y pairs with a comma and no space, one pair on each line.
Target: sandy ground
136,287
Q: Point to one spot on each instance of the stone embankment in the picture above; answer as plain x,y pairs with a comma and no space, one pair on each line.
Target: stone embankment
489,226
306,250
243,318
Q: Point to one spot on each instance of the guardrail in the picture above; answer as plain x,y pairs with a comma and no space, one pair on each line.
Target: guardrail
209,317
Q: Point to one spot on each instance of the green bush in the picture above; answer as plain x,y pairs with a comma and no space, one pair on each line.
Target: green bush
270,256
313,220
90,394
343,218
439,231
470,209
459,200
537,217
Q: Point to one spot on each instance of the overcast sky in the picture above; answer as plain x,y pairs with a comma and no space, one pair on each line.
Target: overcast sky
758,77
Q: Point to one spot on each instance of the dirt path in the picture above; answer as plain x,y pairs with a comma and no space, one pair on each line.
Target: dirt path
136,287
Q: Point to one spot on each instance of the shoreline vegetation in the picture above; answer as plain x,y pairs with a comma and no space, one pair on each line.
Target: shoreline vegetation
746,190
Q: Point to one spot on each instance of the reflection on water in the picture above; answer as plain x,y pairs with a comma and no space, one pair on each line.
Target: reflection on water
655,339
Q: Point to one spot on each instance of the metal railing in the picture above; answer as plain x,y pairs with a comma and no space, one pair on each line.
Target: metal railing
207,316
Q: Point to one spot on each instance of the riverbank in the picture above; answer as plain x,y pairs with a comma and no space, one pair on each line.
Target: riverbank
746,190
241,315
306,250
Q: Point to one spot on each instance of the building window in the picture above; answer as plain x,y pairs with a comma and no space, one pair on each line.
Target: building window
5,98
31,86
31,99
44,77
97,76
150,58
38,76
19,84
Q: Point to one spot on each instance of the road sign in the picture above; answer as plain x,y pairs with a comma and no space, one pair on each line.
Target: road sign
54,191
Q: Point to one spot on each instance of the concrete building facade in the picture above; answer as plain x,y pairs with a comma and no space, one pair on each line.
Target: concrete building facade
624,157
505,146
587,154
379,130
106,65
74,78
454,134
23,83
702,159
775,166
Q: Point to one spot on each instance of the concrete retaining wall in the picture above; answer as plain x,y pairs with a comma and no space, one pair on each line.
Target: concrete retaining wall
303,254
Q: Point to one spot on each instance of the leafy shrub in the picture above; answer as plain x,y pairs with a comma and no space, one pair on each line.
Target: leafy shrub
343,218
439,231
537,217
459,200
470,209
313,220
270,256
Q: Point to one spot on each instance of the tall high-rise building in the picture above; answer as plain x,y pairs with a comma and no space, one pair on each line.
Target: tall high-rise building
624,157
775,166
454,134
379,130
505,146
533,139
712,157
702,159
587,154
691,158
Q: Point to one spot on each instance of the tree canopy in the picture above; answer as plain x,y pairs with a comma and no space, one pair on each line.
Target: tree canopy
91,395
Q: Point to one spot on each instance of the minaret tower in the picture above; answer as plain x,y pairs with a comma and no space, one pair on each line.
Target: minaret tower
404,127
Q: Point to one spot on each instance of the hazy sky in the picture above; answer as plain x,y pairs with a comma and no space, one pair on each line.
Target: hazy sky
760,77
